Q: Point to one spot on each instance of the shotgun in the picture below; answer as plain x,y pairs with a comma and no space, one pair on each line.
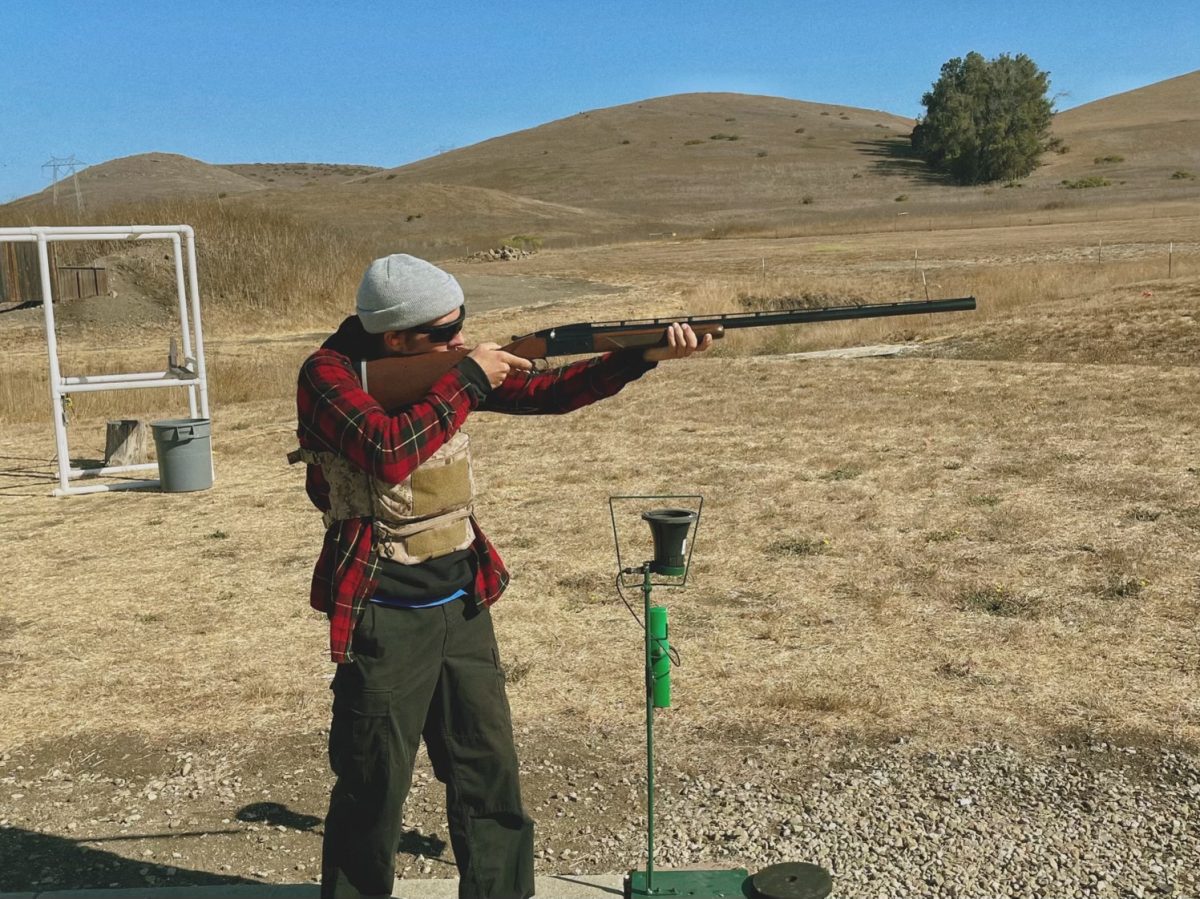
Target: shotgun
397,381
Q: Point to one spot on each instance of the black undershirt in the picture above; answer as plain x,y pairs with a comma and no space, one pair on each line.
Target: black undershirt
432,579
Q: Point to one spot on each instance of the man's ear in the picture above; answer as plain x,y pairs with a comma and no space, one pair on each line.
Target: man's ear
395,341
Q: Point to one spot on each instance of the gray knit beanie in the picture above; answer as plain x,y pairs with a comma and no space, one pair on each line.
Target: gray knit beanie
401,291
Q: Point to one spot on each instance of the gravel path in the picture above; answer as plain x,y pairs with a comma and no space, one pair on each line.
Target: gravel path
888,821
986,822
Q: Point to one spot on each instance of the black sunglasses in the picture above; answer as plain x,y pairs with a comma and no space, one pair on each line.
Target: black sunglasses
443,333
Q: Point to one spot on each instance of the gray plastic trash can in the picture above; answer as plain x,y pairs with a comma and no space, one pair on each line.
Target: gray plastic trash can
184,449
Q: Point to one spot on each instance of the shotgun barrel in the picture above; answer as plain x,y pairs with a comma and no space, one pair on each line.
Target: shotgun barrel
568,336
401,380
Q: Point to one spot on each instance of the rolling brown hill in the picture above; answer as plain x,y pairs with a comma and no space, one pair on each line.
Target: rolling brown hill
145,177
708,164
1155,130
435,217
682,164
690,158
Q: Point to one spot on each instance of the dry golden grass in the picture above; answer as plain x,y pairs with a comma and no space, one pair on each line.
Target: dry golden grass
198,622
258,268
984,547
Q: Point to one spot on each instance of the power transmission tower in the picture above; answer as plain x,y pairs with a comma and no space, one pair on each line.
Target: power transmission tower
70,163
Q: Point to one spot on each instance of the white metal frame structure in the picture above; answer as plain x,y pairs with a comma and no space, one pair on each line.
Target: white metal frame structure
190,373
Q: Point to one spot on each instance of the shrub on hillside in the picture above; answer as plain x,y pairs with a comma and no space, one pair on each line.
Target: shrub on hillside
1182,175
526,242
1101,160
1082,183
985,120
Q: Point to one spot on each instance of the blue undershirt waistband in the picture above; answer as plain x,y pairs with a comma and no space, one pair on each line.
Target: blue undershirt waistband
393,602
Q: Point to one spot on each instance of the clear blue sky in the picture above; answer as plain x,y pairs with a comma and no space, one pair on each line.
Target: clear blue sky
388,83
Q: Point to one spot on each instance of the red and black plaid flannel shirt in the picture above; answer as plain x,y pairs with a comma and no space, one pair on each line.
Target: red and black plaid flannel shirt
336,415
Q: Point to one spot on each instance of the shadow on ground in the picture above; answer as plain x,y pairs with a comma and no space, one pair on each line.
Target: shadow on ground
38,861
895,156
275,814
412,842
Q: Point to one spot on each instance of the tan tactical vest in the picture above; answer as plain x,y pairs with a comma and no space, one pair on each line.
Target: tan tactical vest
425,516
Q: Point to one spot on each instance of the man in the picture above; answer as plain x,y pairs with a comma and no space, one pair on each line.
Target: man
406,577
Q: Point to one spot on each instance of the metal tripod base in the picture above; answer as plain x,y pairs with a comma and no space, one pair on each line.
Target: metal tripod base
693,884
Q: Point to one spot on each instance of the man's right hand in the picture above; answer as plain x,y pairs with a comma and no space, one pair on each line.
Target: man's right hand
496,363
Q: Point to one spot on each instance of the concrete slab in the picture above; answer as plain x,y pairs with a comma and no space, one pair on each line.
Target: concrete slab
858,352
559,886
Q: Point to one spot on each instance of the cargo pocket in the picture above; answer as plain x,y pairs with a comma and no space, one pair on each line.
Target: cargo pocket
360,737
502,687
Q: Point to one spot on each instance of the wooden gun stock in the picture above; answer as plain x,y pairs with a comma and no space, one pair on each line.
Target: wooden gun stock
399,381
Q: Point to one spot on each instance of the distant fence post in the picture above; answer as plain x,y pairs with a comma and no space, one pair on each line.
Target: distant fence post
1170,257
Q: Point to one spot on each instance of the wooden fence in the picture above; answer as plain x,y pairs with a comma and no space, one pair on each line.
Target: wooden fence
21,282
78,282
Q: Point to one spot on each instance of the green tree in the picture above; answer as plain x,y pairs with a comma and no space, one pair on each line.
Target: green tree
985,120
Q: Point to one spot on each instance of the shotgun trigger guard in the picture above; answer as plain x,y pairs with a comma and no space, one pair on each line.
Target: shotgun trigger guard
540,365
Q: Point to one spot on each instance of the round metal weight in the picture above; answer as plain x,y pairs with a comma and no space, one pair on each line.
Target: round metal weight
792,880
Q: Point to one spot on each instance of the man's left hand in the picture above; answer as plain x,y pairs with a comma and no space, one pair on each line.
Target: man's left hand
681,343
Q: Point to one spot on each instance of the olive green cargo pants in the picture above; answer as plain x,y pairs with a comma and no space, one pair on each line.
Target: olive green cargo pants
432,673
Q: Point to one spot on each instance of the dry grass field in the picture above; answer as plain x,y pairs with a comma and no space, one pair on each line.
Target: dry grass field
998,535
991,538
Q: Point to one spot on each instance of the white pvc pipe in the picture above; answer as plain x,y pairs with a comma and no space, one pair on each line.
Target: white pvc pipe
194,285
142,384
98,235
181,293
131,376
60,428
105,488
111,469
197,383
139,231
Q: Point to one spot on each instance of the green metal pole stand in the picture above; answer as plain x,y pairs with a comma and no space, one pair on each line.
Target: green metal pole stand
649,730
695,884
